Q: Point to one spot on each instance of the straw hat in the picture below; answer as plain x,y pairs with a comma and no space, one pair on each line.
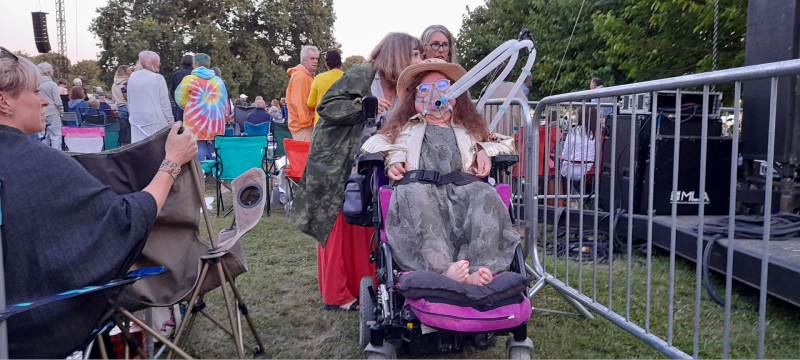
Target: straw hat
451,71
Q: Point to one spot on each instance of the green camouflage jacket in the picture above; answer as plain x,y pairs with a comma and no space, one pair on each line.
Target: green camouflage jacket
334,144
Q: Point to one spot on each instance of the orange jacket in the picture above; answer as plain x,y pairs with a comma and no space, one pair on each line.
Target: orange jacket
300,114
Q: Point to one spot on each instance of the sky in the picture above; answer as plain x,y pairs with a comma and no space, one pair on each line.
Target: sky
358,27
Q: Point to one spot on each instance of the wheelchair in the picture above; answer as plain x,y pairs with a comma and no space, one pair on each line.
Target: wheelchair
391,322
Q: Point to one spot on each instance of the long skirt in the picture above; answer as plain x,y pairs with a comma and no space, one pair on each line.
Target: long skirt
343,262
430,227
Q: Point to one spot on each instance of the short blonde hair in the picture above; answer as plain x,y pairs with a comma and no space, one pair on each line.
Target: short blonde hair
18,76
149,60
393,54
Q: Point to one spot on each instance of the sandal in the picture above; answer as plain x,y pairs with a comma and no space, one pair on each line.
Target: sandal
353,307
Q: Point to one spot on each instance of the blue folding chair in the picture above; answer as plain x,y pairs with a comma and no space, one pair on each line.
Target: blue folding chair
235,155
257,129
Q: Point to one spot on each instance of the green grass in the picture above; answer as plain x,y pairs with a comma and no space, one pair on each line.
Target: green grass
281,292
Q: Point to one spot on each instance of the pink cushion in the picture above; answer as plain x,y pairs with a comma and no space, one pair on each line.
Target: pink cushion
504,190
84,132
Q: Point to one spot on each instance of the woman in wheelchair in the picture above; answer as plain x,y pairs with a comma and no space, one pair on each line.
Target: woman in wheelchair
442,216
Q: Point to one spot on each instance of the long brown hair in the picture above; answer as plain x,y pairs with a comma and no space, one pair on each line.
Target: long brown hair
464,115
393,54
76,93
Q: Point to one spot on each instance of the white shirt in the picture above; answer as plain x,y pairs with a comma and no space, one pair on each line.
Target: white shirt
148,104
578,153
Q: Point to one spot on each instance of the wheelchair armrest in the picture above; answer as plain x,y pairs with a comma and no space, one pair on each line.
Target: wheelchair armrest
503,162
367,162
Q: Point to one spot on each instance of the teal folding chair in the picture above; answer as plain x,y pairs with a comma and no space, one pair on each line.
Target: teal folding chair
279,133
235,155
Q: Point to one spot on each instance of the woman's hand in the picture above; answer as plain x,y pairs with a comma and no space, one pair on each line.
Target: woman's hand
484,165
180,148
396,171
384,105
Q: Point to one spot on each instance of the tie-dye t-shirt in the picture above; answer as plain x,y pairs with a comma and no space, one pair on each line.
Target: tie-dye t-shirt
204,101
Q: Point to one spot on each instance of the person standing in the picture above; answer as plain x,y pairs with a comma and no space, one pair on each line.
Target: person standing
439,44
284,109
275,111
243,97
203,98
148,98
301,117
120,89
323,82
63,91
605,111
177,77
52,112
343,251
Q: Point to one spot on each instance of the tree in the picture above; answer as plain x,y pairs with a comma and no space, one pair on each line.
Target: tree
619,41
252,42
352,60
665,38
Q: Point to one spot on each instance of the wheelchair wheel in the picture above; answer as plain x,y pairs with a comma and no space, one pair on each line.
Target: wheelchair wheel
519,352
366,311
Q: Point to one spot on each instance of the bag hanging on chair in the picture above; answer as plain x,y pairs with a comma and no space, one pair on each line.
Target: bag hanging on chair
357,206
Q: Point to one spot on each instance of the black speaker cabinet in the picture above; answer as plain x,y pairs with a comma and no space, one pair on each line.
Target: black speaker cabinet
773,34
40,32
625,171
688,196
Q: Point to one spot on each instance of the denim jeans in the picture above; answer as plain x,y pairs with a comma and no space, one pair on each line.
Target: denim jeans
205,149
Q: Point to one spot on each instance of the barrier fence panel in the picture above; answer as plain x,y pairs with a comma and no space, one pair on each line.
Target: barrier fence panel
616,185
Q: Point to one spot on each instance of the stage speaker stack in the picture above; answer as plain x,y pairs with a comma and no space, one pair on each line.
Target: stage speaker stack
688,195
40,32
773,34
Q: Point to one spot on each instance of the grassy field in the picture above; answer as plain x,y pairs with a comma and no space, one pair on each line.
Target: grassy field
282,295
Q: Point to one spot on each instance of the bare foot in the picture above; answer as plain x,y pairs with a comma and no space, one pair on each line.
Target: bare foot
459,271
481,277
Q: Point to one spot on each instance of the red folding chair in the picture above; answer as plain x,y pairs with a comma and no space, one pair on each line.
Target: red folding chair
297,154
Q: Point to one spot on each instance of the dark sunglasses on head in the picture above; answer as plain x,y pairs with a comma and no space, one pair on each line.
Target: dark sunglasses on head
2,49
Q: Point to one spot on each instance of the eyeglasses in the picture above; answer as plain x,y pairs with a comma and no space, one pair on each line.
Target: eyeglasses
424,89
435,46
9,53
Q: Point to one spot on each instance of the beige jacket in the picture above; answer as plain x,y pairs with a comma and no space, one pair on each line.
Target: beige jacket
409,144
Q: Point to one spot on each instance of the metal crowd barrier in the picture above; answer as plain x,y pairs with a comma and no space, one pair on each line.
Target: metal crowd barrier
564,227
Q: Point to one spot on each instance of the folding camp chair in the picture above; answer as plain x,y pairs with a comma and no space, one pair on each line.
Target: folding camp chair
121,118
111,137
70,119
240,114
197,266
85,140
279,133
257,129
93,116
235,155
297,153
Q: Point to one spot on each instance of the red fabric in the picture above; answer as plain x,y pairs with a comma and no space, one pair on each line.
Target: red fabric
297,152
343,262
542,150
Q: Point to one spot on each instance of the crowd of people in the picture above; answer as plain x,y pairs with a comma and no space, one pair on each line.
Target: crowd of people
462,231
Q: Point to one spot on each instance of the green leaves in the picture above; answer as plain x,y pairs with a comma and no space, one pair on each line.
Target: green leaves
253,42
620,41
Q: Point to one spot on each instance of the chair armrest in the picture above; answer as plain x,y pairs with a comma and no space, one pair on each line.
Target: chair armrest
503,162
367,162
